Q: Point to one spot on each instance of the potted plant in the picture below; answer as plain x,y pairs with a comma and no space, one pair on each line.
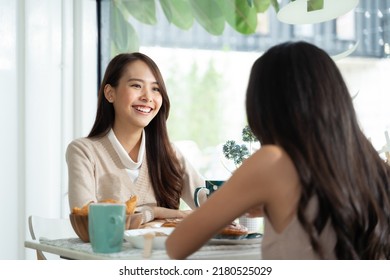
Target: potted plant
239,152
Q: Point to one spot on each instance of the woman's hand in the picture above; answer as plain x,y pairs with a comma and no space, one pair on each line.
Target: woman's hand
183,213
165,213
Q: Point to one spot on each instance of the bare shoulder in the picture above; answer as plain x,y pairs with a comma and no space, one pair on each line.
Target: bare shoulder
272,171
280,162
282,184
271,156
271,152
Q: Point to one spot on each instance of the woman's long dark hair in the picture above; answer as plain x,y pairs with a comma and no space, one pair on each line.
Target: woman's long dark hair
297,99
164,168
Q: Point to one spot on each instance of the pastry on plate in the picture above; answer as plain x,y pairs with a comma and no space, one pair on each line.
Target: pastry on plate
171,222
233,231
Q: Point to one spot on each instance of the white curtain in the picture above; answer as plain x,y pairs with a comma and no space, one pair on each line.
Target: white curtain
48,78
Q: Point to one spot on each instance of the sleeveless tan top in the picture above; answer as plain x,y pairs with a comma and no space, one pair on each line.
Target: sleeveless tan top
294,243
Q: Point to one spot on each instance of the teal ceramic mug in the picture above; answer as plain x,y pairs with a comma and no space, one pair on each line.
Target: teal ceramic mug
210,187
106,225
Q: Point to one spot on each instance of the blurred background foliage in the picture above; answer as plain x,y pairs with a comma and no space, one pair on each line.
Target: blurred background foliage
197,105
212,15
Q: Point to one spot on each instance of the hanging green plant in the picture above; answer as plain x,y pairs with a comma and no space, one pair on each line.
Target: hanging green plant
212,15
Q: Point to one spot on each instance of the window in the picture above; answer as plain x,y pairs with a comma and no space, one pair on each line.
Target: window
206,70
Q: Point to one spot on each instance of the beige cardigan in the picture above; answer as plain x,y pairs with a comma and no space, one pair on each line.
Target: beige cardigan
96,172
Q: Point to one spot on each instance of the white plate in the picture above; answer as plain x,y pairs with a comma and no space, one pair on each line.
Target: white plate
244,241
136,237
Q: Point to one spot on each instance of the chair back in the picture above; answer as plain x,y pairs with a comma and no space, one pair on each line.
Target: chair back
50,228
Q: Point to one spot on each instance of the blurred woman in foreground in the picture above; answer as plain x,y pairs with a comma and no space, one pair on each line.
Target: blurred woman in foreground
324,190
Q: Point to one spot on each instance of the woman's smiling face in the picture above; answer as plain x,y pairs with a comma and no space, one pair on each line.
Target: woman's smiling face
137,98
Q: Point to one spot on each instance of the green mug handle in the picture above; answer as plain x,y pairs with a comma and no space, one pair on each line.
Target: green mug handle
118,231
196,194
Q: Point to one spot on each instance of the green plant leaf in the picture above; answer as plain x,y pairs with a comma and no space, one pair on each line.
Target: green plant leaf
167,8
142,10
239,15
123,35
250,3
262,5
247,135
209,15
233,151
178,12
315,5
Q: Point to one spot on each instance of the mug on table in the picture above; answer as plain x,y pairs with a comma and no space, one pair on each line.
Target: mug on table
210,187
106,224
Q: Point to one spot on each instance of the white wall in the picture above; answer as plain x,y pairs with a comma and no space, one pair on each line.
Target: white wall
48,89
369,79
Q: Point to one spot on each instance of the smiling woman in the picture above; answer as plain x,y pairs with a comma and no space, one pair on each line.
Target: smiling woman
136,100
128,151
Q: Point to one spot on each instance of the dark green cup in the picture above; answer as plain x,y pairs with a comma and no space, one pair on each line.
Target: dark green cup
210,187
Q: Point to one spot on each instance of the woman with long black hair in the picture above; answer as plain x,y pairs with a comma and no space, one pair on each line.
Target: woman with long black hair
323,189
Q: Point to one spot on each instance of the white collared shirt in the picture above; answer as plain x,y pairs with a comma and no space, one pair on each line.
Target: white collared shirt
132,167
